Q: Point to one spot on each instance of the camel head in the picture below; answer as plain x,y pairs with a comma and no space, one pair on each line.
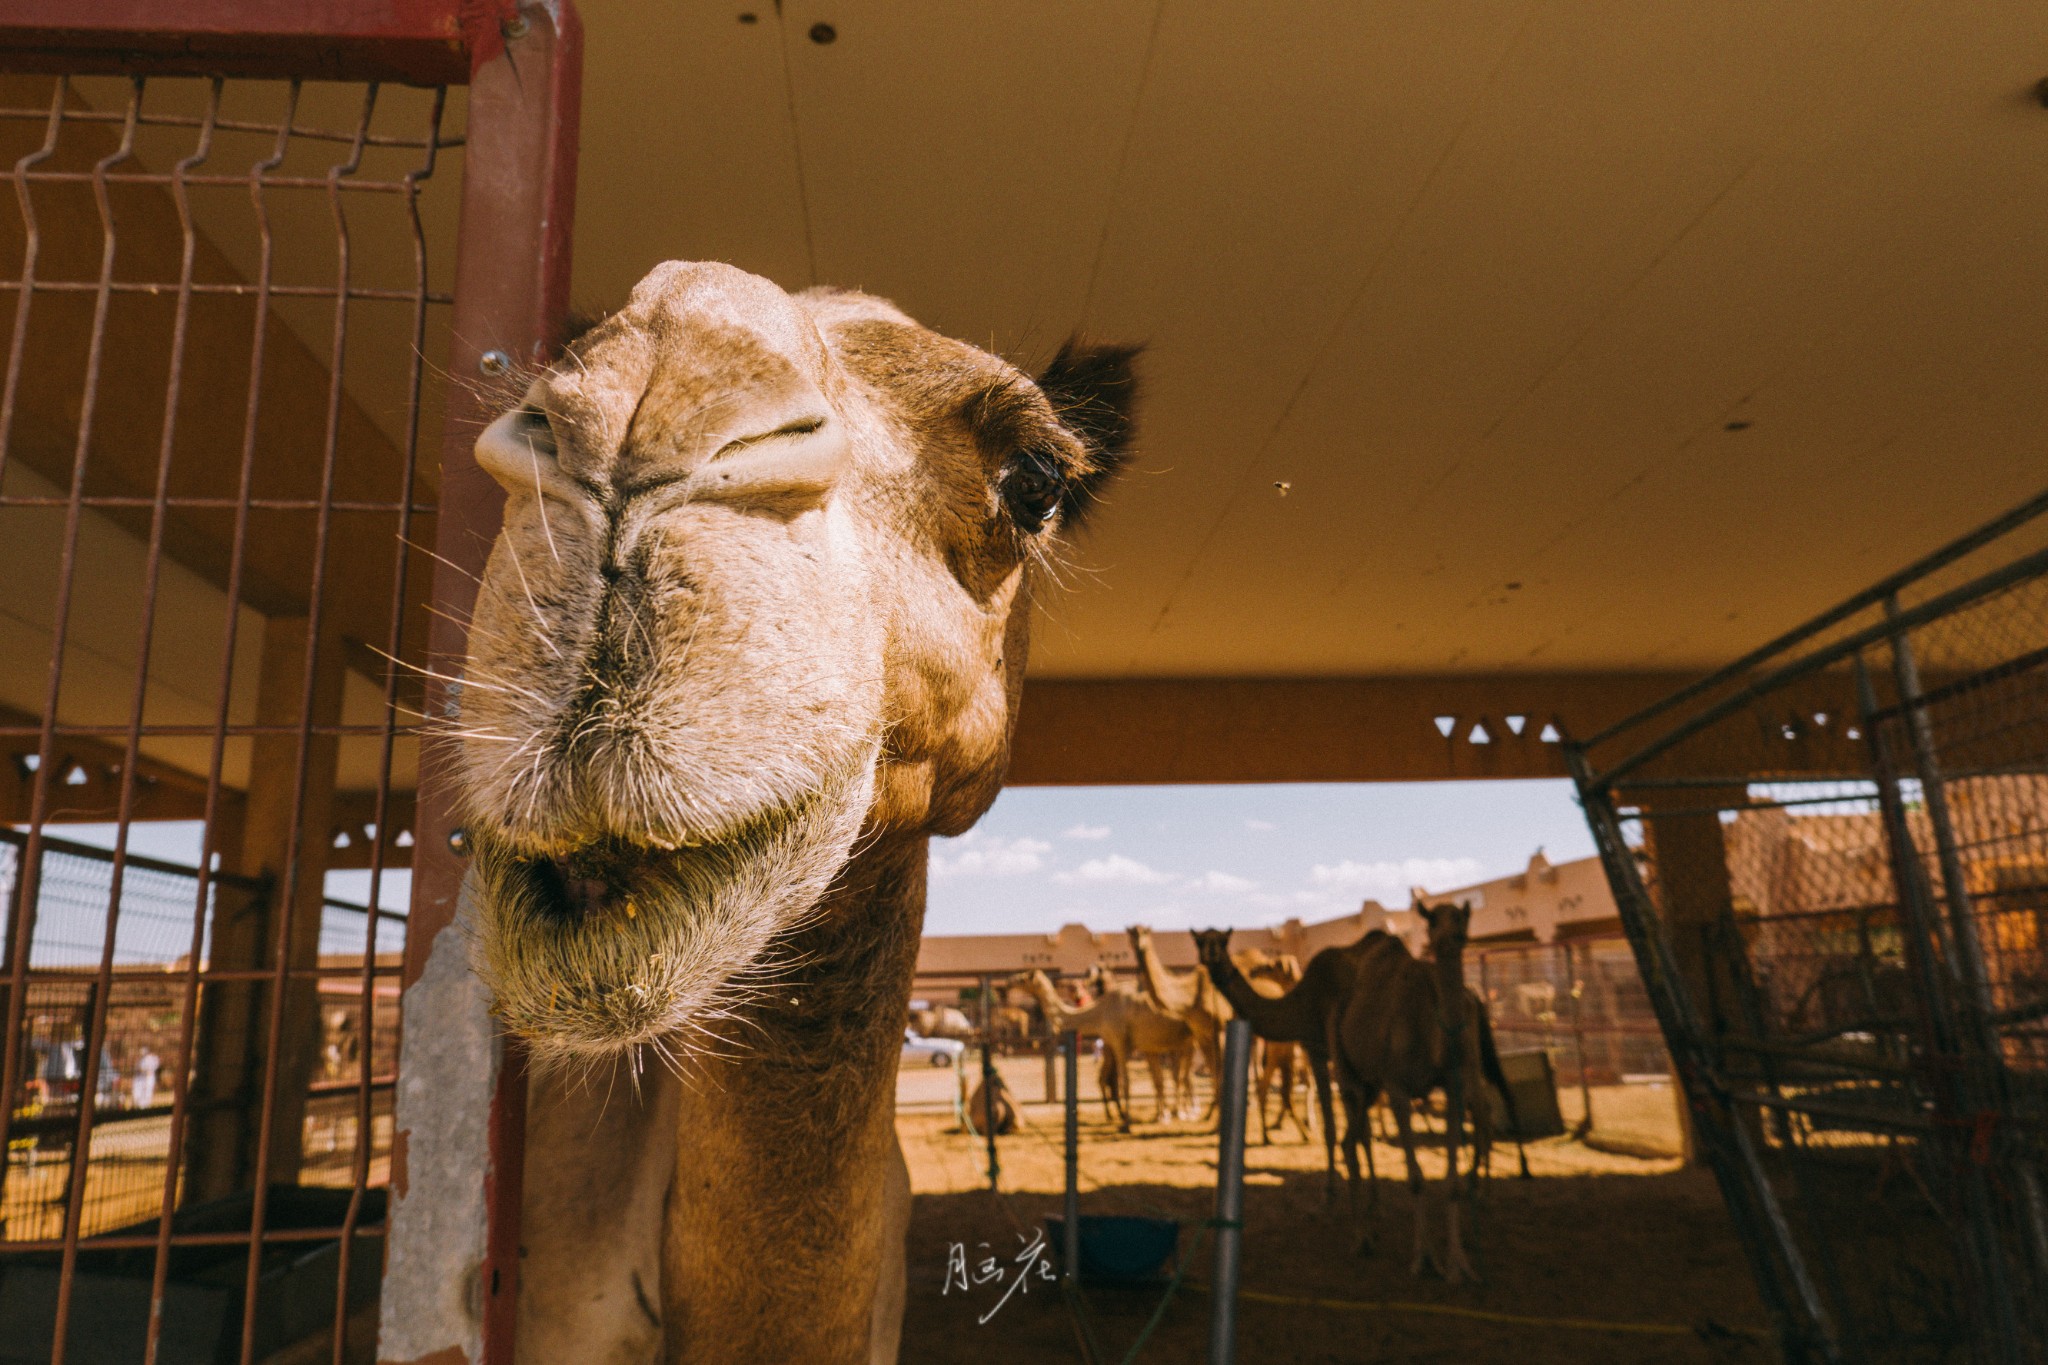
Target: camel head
762,592
1448,928
1212,948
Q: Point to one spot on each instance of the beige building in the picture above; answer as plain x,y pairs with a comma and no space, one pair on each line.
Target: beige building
1540,904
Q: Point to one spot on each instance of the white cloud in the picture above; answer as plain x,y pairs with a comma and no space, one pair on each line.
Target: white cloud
1260,824
1388,880
1223,883
976,855
1085,832
1116,868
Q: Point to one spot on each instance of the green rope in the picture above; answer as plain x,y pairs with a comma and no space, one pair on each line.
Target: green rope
1180,1272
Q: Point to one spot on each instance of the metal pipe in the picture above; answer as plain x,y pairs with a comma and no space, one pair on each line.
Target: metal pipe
1966,951
1980,1044
1229,1221
989,1083
1070,1251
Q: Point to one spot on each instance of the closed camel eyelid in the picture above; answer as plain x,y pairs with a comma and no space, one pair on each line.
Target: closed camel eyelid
802,426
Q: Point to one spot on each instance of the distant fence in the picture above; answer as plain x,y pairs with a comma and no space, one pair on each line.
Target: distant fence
1582,1000
142,1063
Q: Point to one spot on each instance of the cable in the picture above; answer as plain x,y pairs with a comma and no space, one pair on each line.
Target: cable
1446,1310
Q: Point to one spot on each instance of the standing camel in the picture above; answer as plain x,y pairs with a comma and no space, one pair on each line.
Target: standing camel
1128,1027
1306,1014
1274,1064
1191,998
754,630
1407,1028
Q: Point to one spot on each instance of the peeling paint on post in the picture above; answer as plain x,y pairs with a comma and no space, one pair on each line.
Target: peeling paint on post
447,1075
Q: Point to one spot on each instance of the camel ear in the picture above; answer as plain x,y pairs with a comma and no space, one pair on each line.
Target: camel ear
1093,389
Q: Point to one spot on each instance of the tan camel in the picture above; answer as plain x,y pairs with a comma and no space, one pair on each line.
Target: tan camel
1099,981
1129,1027
1408,1028
1305,1015
1191,998
754,631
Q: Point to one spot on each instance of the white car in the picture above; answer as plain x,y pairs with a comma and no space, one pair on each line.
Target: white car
937,1051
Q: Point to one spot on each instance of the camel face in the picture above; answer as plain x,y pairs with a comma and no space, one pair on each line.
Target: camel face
1449,926
1212,947
762,586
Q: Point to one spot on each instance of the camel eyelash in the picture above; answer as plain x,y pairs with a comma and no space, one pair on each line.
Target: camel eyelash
1032,486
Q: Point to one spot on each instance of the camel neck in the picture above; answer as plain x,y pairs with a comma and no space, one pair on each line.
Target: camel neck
1450,995
1167,991
783,1142
1288,1018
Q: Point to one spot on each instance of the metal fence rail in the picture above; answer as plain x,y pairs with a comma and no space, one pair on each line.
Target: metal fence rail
219,307
1831,860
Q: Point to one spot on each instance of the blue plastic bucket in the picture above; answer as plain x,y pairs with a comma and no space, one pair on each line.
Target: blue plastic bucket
1118,1248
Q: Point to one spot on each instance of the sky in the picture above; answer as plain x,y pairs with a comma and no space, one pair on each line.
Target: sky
1174,857
1192,857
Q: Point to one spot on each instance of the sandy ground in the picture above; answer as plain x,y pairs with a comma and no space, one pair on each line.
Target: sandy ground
1595,1235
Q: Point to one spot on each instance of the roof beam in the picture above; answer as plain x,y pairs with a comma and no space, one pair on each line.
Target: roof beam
1079,732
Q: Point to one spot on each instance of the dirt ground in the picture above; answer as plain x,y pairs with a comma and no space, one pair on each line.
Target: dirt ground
1595,1235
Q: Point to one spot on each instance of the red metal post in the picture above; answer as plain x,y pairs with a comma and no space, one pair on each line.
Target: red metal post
511,293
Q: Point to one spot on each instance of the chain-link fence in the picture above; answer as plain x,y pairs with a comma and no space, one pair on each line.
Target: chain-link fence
1832,863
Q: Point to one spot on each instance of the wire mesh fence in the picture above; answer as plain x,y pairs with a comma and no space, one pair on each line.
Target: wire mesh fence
1832,863
222,302
1581,1001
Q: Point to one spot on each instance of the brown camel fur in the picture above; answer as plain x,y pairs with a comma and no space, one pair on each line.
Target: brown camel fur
754,630
1191,998
1128,1026
1306,1014
1275,1065
1408,1028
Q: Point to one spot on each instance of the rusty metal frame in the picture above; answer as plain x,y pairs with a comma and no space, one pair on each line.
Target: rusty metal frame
523,66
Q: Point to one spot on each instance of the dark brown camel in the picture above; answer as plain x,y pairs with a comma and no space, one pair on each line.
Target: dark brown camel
1408,1028
1306,1015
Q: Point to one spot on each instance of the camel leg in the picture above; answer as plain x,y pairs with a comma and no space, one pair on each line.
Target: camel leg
1482,1132
1289,1073
1357,1099
1122,1057
1321,1067
1264,1079
1211,1041
1161,1083
1404,1113
1457,1267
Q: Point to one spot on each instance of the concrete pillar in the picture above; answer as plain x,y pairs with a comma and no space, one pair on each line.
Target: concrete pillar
1689,857
1683,834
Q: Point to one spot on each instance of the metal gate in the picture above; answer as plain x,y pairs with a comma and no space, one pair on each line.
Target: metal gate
1831,859
245,326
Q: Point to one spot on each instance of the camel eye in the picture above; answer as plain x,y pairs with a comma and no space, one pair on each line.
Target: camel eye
536,429
1032,486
